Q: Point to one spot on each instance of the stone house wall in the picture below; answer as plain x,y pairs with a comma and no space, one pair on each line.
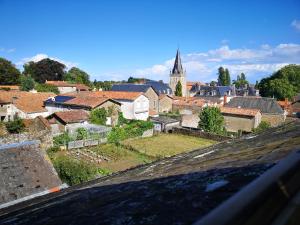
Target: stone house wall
153,99
165,104
274,119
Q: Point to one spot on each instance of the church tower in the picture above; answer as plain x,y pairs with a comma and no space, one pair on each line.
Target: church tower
178,74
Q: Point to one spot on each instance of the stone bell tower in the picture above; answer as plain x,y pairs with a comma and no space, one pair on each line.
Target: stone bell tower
178,74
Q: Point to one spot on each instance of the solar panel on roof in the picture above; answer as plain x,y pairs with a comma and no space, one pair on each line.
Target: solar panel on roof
60,99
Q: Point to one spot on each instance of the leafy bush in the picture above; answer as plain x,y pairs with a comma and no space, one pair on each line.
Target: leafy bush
116,135
52,150
122,120
82,133
133,128
98,116
15,126
264,125
73,171
27,83
61,139
46,88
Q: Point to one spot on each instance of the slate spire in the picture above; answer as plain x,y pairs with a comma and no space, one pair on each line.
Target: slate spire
177,69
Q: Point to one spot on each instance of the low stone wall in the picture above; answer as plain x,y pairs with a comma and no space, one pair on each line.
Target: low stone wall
45,137
274,119
199,133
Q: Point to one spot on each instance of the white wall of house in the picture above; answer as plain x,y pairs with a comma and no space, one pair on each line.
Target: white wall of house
56,108
63,90
137,109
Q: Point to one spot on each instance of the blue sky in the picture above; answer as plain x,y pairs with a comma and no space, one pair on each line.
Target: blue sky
116,39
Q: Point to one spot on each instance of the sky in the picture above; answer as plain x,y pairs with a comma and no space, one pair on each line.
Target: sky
115,39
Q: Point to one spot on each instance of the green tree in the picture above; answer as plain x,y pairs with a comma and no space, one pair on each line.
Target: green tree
27,83
45,69
221,76
211,120
76,75
98,116
227,78
240,80
284,83
178,89
46,88
9,74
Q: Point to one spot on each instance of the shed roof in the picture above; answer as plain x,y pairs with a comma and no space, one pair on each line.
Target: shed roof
265,105
72,116
240,111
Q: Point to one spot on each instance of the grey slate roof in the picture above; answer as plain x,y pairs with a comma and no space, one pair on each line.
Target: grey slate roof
220,90
25,170
175,190
160,87
164,119
177,69
131,87
265,105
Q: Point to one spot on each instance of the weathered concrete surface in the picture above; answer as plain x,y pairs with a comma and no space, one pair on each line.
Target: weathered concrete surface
176,190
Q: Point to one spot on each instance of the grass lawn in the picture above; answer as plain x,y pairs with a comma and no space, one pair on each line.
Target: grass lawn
120,158
164,145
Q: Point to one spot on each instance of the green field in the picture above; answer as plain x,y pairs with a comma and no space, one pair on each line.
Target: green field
165,145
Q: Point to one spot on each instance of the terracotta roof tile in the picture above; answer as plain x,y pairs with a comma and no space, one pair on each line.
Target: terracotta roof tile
88,101
240,111
26,101
191,101
73,116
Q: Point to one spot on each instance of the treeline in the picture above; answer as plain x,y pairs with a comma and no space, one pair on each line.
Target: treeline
35,75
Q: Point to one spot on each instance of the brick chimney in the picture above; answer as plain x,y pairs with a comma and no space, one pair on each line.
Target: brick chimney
225,99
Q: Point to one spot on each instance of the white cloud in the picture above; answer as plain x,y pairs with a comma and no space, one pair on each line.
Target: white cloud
203,66
296,24
40,56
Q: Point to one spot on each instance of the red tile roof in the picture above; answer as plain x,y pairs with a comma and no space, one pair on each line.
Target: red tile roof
239,111
72,116
189,101
26,101
88,101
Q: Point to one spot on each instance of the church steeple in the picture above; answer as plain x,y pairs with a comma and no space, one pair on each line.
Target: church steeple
177,69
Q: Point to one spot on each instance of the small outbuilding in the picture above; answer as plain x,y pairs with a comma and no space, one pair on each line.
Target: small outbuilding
164,123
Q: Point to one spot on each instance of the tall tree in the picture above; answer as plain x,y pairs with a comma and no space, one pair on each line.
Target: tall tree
227,78
241,80
284,83
77,75
46,69
27,83
9,74
178,89
221,76
211,120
